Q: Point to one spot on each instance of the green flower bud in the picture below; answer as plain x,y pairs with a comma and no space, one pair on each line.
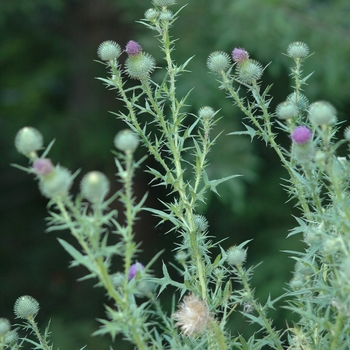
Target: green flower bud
206,113
297,50
300,100
236,256
201,223
166,16
218,61
28,140
322,113
108,50
126,141
164,2
249,71
94,186
140,66
5,326
286,110
57,183
151,14
347,133
118,279
11,337
26,307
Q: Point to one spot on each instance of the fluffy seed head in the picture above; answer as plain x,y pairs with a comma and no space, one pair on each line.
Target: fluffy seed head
218,61
57,183
322,113
108,50
94,186
5,326
297,50
133,48
286,110
164,2
126,141
28,140
192,315
42,166
26,307
151,14
236,256
140,66
249,71
134,268
239,54
301,135
166,16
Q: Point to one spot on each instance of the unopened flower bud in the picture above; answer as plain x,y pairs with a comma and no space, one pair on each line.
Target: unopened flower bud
28,140
218,61
108,50
249,71
5,326
206,113
297,50
11,337
164,2
134,269
126,141
236,256
151,14
201,223
301,135
140,66
133,48
94,186
300,100
166,16
239,54
26,307
286,110
347,133
57,183
43,166
322,113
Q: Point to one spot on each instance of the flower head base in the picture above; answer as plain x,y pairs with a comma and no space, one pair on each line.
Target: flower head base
108,50
94,186
57,183
286,110
322,113
240,55
134,269
126,141
43,166
28,140
249,71
192,316
301,135
218,61
26,307
140,66
133,48
297,50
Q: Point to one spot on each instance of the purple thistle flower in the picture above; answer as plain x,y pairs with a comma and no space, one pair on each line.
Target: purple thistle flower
301,135
42,166
239,54
133,48
134,268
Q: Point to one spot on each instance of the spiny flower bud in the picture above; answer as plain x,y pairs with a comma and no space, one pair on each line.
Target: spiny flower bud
236,256
5,326
94,186
249,71
300,100
117,279
166,16
151,14
134,269
126,141
201,223
286,110
43,166
301,135
56,183
347,133
140,66
133,48
28,140
164,2
11,337
192,315
26,307
218,61
206,113
322,113
239,54
108,50
297,50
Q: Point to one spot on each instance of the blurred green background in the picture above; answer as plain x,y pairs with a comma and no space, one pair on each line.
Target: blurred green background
47,80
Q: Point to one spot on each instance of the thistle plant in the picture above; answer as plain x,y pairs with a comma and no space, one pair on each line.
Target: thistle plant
159,120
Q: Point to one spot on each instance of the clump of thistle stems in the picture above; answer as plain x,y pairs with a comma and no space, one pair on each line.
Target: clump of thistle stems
159,119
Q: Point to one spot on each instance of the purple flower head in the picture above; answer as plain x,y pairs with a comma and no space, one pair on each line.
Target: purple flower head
239,54
42,166
301,135
134,268
133,48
